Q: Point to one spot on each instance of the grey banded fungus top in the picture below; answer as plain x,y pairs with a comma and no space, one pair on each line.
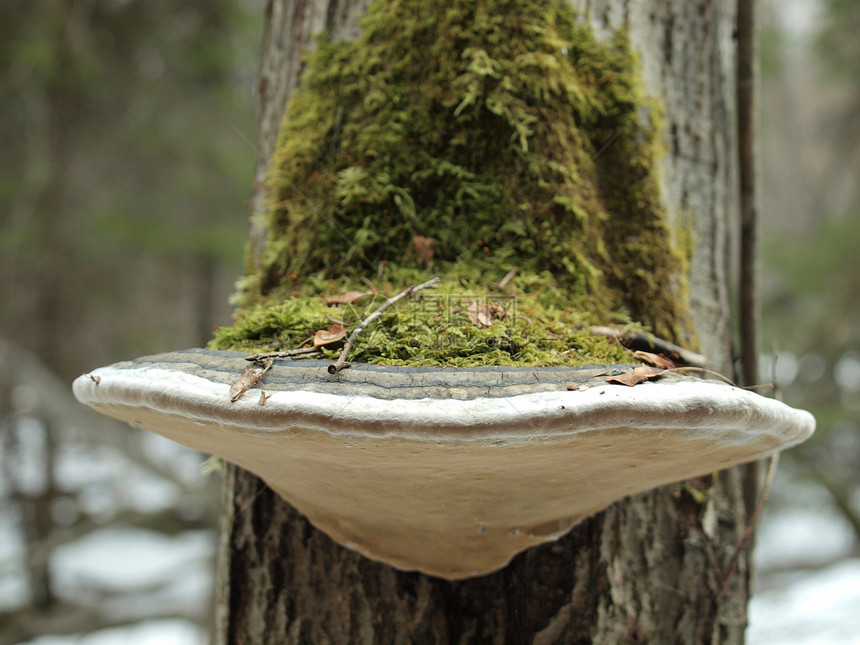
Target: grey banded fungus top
447,471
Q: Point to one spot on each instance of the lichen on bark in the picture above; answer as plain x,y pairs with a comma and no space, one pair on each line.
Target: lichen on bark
504,131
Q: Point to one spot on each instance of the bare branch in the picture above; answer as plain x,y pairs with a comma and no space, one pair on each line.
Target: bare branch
301,352
748,533
653,344
340,363
747,171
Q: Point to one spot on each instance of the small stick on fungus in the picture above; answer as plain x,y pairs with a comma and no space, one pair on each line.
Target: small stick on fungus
652,344
259,358
340,363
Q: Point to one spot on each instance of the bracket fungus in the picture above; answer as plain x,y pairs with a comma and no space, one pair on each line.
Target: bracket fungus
450,472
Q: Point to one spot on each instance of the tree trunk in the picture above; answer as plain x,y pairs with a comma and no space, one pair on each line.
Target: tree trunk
648,569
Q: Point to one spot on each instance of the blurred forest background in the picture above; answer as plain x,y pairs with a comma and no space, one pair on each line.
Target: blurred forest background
126,129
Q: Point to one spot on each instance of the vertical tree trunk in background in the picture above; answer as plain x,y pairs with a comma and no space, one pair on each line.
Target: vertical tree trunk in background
748,179
46,326
60,103
645,570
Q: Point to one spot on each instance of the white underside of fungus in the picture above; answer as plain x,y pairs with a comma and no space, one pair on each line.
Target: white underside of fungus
448,472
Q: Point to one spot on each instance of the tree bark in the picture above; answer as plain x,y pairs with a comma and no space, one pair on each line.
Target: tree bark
645,570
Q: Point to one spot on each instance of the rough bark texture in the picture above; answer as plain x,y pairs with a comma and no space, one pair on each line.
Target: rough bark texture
645,570
290,28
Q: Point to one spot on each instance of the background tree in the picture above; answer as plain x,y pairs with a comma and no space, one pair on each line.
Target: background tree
811,292
102,215
654,568
151,135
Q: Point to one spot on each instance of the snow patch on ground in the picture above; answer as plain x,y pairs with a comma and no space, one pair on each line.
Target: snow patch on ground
802,536
123,559
820,608
151,632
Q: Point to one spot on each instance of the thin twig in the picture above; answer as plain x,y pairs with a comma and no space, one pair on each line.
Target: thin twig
652,344
503,283
259,358
340,363
691,368
726,379
308,355
748,533
760,386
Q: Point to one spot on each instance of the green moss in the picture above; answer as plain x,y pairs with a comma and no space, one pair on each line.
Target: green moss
526,324
478,125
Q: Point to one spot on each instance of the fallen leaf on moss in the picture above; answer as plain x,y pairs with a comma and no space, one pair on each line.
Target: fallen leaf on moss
479,313
345,298
655,360
328,336
482,314
635,376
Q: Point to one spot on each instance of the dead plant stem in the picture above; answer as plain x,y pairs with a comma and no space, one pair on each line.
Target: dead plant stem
341,363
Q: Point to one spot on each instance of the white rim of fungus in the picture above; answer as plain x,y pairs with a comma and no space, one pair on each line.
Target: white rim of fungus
697,407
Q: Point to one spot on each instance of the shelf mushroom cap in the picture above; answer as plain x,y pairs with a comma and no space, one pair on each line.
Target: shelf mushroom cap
450,472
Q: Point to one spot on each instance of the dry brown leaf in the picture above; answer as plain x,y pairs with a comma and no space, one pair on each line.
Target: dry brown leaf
249,378
425,247
252,375
330,335
654,359
345,298
482,314
637,375
479,313
578,388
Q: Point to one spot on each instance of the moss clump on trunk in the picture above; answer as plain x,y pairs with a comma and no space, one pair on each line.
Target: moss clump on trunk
462,322
476,124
